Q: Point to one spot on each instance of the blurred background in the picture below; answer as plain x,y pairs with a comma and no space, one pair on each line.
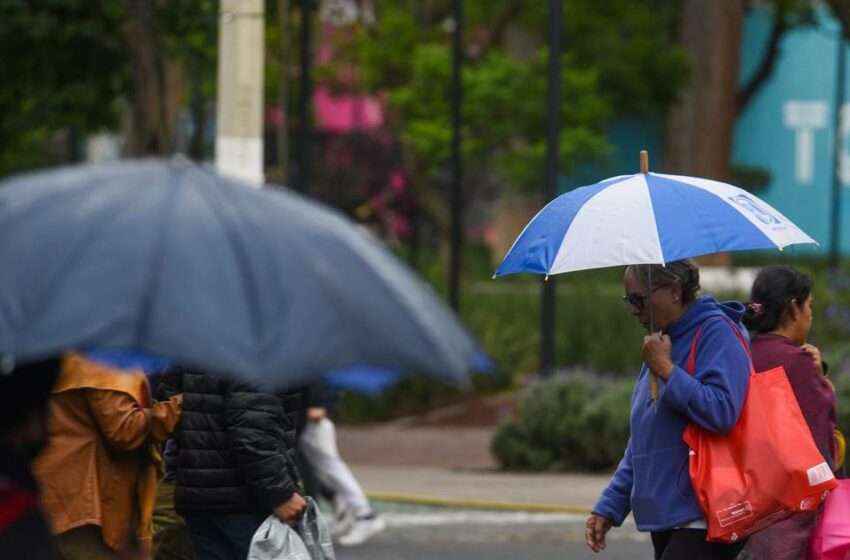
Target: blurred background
360,110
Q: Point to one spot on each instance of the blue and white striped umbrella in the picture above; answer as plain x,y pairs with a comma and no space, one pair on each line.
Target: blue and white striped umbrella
647,218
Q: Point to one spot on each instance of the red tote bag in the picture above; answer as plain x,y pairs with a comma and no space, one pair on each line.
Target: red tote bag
765,469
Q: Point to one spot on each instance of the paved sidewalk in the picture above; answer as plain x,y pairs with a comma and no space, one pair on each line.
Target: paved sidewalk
454,463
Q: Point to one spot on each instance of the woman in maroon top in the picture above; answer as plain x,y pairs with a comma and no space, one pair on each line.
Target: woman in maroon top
780,316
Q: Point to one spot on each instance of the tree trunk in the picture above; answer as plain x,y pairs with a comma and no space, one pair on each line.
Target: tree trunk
698,135
699,130
154,99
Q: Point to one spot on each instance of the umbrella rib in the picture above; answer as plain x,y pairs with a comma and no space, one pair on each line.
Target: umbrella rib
143,326
238,247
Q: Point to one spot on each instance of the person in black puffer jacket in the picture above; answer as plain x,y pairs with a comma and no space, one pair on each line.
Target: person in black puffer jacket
236,463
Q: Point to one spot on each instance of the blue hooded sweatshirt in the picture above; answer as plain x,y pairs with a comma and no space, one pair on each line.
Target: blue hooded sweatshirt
652,479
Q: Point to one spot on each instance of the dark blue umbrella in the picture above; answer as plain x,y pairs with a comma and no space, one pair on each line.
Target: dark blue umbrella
171,259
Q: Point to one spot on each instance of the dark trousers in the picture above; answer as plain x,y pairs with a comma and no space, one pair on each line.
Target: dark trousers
690,544
223,536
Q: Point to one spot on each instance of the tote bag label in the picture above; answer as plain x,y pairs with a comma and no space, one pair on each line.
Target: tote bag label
819,474
734,513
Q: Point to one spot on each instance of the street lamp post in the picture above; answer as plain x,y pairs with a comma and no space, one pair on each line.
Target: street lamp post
457,161
304,148
835,213
553,130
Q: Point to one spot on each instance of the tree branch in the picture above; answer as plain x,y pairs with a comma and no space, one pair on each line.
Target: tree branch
765,69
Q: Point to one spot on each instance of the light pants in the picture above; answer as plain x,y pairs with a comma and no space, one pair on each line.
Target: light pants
318,444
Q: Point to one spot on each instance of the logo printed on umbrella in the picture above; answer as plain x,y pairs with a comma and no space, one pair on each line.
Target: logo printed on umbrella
755,209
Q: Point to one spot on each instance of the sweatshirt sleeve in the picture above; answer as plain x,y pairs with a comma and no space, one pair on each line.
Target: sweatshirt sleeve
816,399
713,397
615,501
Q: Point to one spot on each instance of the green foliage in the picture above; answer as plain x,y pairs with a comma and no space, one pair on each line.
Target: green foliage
505,319
189,33
576,422
59,68
618,58
842,395
631,45
593,327
409,397
752,178
503,114
65,65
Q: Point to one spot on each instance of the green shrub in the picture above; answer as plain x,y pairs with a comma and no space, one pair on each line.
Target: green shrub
510,445
593,329
607,420
574,422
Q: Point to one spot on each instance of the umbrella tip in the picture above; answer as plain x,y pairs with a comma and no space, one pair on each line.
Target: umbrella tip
644,161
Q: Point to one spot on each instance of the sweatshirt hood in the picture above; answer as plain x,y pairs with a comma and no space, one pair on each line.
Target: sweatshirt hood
703,308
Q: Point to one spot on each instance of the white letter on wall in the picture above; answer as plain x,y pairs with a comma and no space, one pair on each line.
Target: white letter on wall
804,117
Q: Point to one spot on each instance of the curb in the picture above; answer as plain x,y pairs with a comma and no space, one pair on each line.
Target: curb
438,501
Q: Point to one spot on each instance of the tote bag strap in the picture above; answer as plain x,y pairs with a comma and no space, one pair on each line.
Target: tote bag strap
692,353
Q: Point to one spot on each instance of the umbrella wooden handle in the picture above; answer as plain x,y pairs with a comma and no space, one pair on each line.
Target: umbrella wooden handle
653,386
644,161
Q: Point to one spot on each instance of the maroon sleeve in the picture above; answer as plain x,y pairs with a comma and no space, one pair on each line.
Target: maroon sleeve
816,399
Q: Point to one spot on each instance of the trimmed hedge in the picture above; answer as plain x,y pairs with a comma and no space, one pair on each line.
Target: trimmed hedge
593,328
582,422
574,422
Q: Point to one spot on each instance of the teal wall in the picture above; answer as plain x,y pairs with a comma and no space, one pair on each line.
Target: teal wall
788,126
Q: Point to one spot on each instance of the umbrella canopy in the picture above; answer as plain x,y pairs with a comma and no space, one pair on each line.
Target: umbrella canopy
647,218
168,258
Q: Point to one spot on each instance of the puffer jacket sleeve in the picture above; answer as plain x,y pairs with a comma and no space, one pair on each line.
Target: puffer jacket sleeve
256,441
615,501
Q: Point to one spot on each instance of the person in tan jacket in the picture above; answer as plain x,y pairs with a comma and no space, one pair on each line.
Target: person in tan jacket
99,471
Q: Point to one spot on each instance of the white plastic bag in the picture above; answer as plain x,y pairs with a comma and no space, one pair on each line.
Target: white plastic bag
309,540
315,533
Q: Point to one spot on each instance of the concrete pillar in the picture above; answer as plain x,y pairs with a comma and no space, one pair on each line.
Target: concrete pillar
239,116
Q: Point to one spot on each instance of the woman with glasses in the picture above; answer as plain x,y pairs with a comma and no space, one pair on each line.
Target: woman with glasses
780,316
652,480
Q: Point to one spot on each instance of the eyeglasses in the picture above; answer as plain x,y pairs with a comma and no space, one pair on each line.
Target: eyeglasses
638,301
635,301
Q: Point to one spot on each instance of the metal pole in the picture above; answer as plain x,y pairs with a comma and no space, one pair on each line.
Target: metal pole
306,129
239,131
283,97
835,214
553,130
457,169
